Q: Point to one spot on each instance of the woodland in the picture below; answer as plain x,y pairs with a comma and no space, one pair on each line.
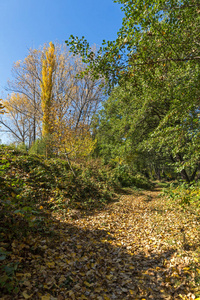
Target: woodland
99,189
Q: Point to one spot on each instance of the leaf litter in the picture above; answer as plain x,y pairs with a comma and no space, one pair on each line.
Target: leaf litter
137,248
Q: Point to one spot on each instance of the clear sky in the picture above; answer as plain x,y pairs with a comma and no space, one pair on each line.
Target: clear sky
28,24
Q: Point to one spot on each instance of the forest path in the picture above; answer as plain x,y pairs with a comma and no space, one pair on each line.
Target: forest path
134,249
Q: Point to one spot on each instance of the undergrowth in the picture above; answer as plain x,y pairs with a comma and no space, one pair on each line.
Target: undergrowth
54,224
186,196
33,188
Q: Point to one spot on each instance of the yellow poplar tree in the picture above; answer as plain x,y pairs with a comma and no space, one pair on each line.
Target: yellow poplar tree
48,67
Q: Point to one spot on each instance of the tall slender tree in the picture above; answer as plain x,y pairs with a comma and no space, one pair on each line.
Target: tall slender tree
56,100
48,68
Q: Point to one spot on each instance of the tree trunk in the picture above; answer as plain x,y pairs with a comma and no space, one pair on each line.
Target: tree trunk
183,173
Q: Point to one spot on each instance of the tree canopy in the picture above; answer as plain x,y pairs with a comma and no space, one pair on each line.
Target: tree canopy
153,33
154,66
49,100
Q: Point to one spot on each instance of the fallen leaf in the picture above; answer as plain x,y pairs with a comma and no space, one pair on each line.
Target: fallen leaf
26,296
46,297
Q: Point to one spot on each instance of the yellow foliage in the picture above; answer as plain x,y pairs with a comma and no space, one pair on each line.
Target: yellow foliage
75,142
1,107
48,66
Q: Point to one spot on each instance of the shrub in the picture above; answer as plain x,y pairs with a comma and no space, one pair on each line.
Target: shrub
39,147
184,194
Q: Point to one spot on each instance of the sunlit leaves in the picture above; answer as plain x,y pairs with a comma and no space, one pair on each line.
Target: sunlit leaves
1,107
156,52
49,73
133,248
48,66
153,33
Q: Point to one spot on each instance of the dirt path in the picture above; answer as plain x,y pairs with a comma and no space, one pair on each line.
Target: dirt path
132,250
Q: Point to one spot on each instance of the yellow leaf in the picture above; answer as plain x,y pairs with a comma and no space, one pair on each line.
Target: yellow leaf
109,277
19,274
45,286
26,296
87,283
27,274
71,294
98,290
51,264
131,292
41,207
62,279
46,297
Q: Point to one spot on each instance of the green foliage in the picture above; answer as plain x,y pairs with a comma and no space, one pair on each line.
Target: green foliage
147,120
50,220
126,177
154,61
185,195
8,281
121,129
39,147
153,34
33,187
21,147
30,181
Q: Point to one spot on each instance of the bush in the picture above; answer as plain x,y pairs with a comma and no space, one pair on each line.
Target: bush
39,147
184,194
126,177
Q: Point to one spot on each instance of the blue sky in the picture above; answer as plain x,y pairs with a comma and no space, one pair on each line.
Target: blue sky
28,24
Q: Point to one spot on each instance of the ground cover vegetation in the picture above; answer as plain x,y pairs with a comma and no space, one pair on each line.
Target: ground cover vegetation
100,188
82,237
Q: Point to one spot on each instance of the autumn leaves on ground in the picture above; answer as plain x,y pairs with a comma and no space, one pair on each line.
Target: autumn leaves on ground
73,238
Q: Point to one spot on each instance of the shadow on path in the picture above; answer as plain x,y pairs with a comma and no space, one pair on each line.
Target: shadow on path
76,263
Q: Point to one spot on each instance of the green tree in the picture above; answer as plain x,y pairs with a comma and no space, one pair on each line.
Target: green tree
155,60
154,119
153,33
